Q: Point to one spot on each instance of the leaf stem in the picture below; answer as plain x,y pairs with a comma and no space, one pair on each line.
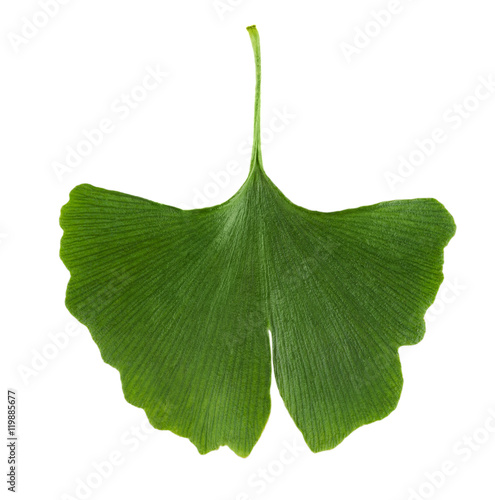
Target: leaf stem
256,160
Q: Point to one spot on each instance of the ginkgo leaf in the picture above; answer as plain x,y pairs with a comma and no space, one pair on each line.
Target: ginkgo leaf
181,302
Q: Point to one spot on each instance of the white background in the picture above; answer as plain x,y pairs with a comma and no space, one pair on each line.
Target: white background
350,121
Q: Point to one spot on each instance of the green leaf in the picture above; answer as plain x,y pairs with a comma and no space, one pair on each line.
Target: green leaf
181,303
